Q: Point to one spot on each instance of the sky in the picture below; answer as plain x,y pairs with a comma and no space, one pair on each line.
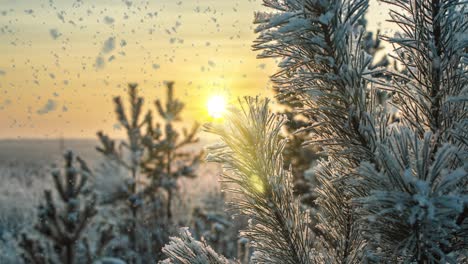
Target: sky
62,61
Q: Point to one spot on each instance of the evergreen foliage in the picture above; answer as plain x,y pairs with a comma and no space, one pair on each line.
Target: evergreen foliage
251,152
155,156
63,224
132,125
326,65
186,250
423,161
295,154
392,186
212,222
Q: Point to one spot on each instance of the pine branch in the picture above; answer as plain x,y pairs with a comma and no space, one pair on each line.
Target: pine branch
431,95
251,154
413,208
432,50
325,61
184,249
323,46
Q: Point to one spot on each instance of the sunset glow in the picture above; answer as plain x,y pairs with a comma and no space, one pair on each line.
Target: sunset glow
63,61
216,106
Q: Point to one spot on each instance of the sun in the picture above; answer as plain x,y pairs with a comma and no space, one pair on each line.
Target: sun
216,106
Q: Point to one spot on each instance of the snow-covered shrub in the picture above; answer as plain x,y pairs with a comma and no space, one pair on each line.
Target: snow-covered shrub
9,252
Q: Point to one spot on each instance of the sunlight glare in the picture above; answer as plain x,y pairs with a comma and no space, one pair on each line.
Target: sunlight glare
216,106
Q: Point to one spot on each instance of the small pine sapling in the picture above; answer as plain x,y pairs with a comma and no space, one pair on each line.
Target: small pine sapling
128,154
156,156
166,161
62,224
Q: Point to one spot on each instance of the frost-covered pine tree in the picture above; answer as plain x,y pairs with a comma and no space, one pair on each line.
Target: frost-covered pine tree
155,156
127,155
297,153
325,64
62,223
417,207
185,249
393,186
166,160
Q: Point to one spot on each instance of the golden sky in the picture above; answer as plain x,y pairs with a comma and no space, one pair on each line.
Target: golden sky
62,61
